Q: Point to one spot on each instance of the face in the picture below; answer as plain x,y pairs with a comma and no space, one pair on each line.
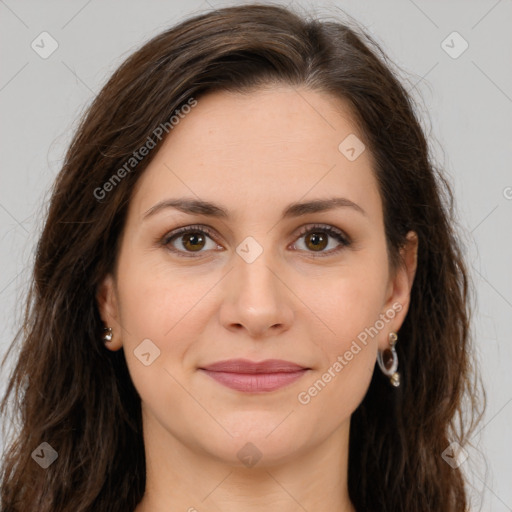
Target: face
266,280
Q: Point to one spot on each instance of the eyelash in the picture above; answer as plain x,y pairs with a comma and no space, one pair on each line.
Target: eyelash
330,230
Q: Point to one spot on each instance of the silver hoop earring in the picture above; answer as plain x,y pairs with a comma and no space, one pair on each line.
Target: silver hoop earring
107,336
388,361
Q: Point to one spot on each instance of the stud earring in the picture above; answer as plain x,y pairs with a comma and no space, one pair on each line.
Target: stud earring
388,361
107,336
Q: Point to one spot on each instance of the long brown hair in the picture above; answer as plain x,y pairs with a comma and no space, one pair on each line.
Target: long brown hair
69,392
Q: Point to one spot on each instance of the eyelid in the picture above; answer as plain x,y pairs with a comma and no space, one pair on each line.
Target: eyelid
175,233
343,239
331,230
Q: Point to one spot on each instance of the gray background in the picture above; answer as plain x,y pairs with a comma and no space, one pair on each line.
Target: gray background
466,104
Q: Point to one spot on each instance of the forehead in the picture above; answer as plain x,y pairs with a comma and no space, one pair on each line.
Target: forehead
272,145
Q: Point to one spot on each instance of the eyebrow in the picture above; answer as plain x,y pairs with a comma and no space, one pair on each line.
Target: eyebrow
199,207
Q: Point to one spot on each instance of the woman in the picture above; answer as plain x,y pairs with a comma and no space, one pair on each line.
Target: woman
246,222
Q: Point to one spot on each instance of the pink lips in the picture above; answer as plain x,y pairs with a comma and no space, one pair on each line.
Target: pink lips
249,376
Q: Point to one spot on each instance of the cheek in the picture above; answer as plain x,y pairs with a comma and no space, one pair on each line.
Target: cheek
170,309
156,313
351,300
350,306
155,299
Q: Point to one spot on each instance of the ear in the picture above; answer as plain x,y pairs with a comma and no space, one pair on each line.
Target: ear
398,294
109,312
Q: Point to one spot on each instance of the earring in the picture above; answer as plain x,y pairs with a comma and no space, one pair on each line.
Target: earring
107,336
388,361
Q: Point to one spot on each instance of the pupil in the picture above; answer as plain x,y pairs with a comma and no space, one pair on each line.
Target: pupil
318,240
192,239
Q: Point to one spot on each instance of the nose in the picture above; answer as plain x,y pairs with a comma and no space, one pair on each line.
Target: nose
257,299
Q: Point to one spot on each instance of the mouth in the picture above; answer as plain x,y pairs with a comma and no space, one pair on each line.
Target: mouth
254,377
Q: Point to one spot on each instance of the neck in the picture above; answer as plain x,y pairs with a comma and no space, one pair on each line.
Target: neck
181,478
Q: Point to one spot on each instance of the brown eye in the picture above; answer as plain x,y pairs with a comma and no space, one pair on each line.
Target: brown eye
317,241
317,238
193,241
189,240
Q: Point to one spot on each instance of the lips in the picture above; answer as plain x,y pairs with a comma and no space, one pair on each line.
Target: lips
245,366
254,377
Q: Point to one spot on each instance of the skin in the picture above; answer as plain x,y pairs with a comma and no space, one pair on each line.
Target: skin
254,154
